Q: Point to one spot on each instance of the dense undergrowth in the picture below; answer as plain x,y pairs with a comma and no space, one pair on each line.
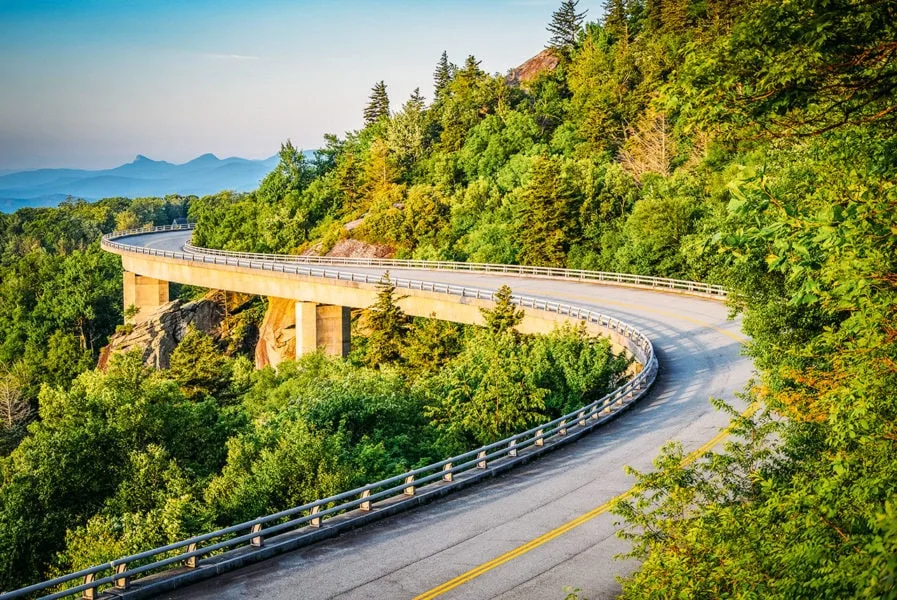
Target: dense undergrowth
121,461
745,143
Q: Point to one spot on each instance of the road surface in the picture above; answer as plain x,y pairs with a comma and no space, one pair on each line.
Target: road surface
408,555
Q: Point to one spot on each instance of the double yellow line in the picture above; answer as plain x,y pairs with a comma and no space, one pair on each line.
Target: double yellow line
572,524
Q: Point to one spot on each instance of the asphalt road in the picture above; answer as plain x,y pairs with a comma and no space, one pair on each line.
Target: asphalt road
401,557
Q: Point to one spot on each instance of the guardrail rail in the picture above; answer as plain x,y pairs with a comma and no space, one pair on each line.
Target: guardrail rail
186,554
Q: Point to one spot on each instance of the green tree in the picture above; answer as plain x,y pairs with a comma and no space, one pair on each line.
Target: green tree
485,394
505,315
199,367
565,25
548,222
442,76
386,325
431,344
378,104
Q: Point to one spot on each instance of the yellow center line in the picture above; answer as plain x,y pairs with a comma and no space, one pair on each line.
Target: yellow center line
569,525
584,518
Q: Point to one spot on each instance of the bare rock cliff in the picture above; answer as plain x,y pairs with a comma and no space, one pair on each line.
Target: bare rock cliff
277,334
546,60
157,336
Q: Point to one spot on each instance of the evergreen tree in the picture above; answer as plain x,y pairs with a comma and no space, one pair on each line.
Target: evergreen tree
472,66
199,367
386,325
505,316
379,104
443,75
616,19
565,25
547,216
416,101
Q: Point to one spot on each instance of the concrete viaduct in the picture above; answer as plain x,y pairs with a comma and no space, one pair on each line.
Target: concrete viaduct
532,532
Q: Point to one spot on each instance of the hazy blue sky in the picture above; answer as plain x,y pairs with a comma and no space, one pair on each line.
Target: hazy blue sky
91,83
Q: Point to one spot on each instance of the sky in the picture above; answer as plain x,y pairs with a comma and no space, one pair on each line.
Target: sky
92,83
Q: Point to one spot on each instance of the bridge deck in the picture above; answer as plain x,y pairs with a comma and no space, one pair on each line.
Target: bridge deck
403,556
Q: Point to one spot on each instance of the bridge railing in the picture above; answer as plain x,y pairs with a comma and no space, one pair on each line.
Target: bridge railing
121,572
643,281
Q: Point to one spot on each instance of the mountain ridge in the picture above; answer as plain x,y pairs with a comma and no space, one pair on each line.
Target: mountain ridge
143,176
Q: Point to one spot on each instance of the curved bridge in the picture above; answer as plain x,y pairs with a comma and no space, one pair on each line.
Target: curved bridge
540,528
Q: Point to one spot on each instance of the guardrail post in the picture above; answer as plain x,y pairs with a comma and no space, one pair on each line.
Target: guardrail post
540,440
409,489
190,561
582,418
447,475
482,456
563,429
512,448
366,505
89,593
121,582
315,521
257,541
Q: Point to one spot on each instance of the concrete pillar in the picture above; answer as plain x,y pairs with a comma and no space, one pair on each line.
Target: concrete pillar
322,326
334,329
306,328
145,293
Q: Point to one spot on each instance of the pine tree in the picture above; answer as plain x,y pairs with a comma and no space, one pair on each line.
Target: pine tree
443,75
548,216
386,325
379,104
472,66
565,25
616,19
199,367
416,101
505,315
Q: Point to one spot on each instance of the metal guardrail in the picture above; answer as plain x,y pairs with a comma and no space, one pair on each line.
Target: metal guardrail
626,279
120,572
642,281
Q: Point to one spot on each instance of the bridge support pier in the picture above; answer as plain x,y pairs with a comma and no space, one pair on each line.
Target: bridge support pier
322,326
145,293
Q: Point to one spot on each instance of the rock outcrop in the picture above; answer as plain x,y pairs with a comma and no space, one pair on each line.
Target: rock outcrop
158,335
349,248
277,334
546,60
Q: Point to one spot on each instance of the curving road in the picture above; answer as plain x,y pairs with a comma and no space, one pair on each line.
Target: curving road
412,553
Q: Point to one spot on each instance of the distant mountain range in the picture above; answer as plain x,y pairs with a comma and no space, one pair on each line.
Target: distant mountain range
206,174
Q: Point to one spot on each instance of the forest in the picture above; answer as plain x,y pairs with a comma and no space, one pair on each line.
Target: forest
748,143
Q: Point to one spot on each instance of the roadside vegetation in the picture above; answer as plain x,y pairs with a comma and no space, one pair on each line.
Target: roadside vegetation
747,143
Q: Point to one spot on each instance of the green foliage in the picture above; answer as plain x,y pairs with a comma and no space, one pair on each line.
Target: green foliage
505,315
378,105
385,324
748,143
547,214
443,74
565,25
503,382
199,367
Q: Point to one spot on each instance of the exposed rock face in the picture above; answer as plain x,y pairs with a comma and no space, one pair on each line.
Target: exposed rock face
277,334
158,335
349,248
546,60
